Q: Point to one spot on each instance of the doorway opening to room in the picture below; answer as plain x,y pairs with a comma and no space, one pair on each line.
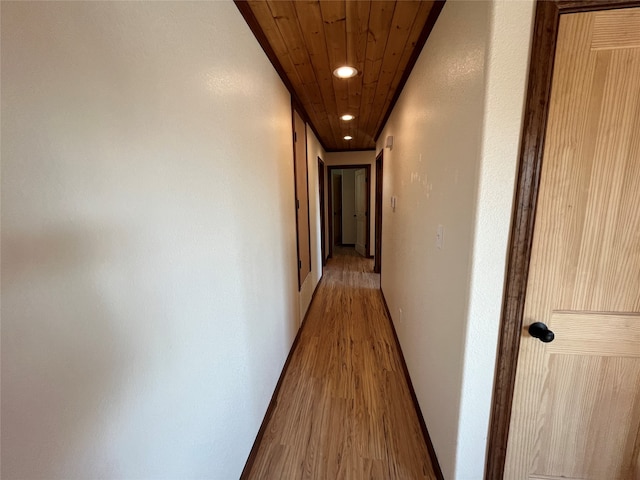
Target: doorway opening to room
349,208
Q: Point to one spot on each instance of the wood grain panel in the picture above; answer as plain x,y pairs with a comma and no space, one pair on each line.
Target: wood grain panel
276,42
380,18
580,333
335,35
591,394
408,57
344,409
357,33
404,16
283,15
610,195
311,38
309,16
300,163
616,29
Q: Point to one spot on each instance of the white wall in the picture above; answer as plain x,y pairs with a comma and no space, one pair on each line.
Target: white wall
149,292
506,77
456,130
367,157
314,150
348,206
335,175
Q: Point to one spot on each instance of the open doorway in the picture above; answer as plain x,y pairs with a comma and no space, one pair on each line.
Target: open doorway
349,208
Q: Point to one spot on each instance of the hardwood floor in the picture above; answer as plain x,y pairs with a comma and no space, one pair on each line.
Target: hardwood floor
344,410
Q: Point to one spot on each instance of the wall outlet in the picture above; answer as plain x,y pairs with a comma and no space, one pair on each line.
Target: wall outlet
440,237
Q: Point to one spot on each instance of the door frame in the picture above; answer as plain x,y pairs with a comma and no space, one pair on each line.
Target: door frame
321,189
545,34
377,249
297,188
330,169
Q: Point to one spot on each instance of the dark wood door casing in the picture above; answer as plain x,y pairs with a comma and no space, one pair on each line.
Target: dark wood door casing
330,209
377,262
301,181
321,188
330,170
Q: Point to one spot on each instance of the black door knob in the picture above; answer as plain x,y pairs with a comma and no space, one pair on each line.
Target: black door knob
540,331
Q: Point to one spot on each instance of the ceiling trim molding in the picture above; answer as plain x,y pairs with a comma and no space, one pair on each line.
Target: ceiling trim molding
424,35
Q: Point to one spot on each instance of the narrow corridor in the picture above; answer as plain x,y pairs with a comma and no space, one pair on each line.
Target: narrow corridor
344,410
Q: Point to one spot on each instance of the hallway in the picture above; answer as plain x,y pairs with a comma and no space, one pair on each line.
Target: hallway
344,409
153,279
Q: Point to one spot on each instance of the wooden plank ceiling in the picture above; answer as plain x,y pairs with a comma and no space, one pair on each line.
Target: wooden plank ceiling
307,40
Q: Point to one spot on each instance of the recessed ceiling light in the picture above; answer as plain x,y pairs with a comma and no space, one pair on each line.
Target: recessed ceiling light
346,117
345,72
348,137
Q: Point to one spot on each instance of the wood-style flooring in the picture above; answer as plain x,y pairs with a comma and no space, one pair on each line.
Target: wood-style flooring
344,410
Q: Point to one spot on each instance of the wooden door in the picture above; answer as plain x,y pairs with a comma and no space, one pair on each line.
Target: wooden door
302,197
361,211
576,404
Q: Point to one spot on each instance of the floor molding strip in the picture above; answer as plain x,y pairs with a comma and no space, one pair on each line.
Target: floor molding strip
423,426
274,398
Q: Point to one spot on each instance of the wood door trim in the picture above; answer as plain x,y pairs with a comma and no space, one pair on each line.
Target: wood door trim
367,244
545,33
306,162
321,194
330,211
423,426
367,167
377,254
295,190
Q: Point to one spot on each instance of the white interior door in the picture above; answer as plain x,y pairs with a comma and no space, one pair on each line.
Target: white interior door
361,211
